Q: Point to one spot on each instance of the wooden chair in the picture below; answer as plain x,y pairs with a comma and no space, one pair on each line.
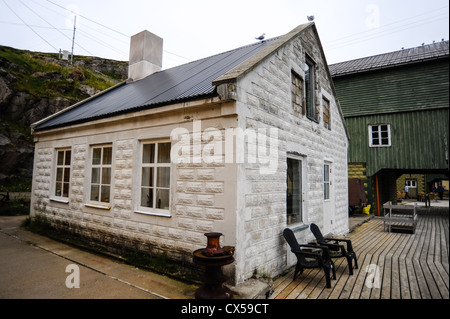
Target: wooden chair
336,250
315,257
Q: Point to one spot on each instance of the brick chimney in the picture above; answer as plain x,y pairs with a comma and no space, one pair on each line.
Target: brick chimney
146,50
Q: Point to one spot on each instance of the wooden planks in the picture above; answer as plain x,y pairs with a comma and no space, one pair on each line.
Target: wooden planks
391,266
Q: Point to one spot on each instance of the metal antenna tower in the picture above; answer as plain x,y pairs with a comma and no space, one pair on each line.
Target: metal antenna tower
73,38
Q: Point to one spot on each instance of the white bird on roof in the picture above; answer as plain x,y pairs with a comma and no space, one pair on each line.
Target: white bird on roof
261,37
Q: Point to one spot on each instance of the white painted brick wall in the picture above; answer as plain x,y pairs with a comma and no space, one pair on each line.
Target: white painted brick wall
197,198
267,93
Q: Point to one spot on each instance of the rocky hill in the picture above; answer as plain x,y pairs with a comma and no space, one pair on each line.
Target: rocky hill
34,85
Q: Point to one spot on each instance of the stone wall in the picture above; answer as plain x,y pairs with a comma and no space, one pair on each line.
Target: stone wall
202,194
414,192
357,170
266,102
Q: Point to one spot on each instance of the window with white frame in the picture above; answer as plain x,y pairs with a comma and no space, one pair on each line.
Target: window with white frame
411,183
155,176
379,135
101,173
62,179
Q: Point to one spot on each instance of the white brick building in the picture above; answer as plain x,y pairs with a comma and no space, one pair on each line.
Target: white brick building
246,143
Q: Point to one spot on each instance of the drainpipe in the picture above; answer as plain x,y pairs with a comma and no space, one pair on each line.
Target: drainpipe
378,194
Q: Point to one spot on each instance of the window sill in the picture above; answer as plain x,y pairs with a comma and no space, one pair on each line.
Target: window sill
98,206
154,213
60,200
312,119
298,227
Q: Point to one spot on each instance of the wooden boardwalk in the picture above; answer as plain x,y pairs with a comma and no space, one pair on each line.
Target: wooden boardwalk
391,266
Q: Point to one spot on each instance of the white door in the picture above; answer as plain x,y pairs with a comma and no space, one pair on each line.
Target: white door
328,199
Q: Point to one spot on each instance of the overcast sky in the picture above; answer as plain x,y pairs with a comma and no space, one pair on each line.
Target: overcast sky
194,29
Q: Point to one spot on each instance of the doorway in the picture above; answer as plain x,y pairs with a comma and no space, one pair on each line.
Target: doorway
294,190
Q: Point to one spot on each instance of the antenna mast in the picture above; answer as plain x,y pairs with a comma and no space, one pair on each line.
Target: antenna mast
73,38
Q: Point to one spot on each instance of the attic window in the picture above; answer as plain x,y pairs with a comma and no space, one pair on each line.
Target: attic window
297,94
326,114
310,85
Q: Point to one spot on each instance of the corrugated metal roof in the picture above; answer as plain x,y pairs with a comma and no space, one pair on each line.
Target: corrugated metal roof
405,56
181,83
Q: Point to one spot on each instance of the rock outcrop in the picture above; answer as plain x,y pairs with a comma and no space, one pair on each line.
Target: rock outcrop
34,85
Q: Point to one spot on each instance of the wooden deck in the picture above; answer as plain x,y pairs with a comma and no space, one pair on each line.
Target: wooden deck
391,266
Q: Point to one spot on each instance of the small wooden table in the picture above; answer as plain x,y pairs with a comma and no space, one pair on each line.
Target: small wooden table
399,217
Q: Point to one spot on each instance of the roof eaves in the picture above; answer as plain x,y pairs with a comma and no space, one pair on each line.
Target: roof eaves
134,109
253,61
34,125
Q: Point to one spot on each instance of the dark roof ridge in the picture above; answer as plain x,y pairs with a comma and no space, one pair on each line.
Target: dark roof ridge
390,59
250,63
218,54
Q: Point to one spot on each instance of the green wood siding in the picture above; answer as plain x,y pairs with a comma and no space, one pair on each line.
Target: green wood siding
406,88
419,140
413,99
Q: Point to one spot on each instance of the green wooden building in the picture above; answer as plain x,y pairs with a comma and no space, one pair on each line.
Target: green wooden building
396,106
